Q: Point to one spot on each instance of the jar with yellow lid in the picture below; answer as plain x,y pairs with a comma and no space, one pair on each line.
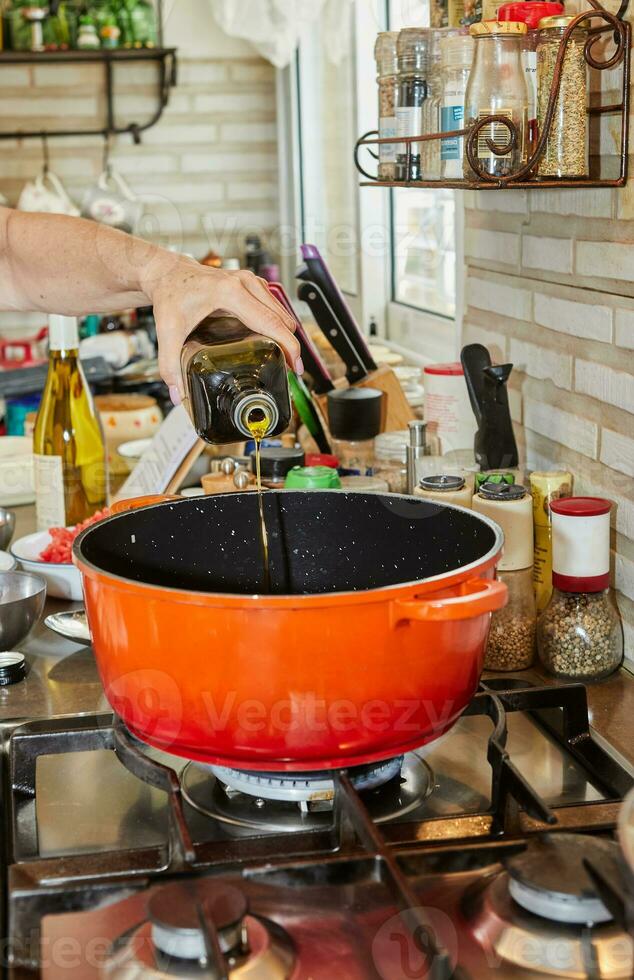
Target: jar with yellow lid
497,87
566,151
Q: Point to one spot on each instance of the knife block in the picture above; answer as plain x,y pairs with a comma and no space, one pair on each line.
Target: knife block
396,411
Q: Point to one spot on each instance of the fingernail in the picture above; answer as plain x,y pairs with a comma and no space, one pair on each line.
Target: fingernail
175,395
299,366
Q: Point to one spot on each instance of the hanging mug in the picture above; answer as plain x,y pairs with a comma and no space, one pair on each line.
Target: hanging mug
46,193
112,202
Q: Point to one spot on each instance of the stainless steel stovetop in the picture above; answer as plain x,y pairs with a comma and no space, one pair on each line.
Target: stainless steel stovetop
422,876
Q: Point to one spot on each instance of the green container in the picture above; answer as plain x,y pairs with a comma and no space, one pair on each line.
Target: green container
312,478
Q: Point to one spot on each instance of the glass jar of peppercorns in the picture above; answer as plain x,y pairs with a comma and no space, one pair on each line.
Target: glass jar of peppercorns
579,634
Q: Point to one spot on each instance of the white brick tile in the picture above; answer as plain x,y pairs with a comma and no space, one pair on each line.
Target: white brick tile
596,203
624,326
515,405
473,333
251,190
235,102
154,163
586,320
60,76
553,254
248,132
260,71
493,246
617,451
608,260
614,387
570,430
77,106
175,193
510,202
624,575
542,363
228,163
133,74
499,298
14,77
175,135
194,73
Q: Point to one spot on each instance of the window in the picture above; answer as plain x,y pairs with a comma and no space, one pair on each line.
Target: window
395,253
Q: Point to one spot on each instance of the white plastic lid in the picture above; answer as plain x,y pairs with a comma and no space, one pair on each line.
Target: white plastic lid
63,332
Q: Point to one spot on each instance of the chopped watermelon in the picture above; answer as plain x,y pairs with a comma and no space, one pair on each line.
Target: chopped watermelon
59,551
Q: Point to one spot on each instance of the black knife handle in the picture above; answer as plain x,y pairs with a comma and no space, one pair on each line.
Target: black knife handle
329,325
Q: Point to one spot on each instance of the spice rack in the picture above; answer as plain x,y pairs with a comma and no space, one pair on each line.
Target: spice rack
522,177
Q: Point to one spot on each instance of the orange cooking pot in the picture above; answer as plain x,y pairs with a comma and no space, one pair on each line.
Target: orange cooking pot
370,643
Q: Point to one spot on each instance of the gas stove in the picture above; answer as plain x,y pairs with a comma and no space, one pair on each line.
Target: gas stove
489,853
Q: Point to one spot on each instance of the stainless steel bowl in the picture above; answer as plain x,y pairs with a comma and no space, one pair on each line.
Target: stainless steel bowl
7,527
21,603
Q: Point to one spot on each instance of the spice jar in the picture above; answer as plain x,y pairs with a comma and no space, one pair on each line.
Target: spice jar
354,418
386,68
530,12
433,102
412,49
546,486
497,87
275,463
511,643
456,56
390,459
566,151
579,634
446,488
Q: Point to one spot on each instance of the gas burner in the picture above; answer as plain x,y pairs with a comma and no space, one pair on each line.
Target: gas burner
549,878
544,915
175,939
302,801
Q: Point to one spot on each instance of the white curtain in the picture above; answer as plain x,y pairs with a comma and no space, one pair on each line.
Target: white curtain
273,27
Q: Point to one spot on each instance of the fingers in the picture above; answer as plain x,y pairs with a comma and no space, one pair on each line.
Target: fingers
258,310
172,332
258,288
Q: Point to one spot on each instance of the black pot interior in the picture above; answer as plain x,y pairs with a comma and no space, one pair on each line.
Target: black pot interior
319,541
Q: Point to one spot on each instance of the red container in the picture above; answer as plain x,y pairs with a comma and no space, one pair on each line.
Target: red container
291,682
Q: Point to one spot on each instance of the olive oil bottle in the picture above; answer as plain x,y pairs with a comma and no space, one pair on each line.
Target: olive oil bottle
236,382
68,444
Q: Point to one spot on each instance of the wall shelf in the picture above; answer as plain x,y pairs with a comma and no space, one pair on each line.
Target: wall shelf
165,58
523,177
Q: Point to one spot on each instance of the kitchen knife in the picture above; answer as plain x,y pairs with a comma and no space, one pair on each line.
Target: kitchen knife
494,442
329,325
316,271
315,367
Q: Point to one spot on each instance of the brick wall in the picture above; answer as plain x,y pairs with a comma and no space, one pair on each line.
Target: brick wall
207,173
549,286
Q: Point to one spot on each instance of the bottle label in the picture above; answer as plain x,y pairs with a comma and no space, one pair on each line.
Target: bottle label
409,122
451,117
497,132
387,130
49,492
529,59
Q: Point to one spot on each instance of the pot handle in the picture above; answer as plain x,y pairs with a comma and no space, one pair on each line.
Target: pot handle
478,596
132,503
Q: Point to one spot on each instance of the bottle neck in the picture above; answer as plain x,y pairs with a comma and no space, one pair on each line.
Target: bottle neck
63,335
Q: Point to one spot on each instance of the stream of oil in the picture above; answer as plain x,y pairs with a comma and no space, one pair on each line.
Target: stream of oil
258,429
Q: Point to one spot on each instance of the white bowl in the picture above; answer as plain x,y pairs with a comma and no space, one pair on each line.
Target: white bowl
7,562
62,581
16,471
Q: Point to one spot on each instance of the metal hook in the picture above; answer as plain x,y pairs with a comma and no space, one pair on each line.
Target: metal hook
106,154
45,155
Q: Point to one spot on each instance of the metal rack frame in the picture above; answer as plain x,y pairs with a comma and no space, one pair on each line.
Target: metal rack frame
521,178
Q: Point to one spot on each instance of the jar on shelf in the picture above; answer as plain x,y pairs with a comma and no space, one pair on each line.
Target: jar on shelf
511,643
530,12
390,459
566,150
354,420
579,634
386,69
412,51
456,58
497,87
433,102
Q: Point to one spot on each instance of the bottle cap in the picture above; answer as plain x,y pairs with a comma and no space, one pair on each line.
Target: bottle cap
581,544
12,668
385,53
559,21
529,12
497,27
412,48
321,459
275,462
312,478
63,332
442,482
355,414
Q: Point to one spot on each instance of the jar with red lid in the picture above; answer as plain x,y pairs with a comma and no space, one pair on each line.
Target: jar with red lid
530,12
579,634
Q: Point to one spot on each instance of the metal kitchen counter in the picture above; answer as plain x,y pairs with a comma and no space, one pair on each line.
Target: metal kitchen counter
63,680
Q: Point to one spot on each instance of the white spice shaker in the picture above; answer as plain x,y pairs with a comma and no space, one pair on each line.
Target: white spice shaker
579,633
446,488
511,643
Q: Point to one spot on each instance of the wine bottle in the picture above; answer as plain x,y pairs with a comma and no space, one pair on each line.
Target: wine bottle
68,444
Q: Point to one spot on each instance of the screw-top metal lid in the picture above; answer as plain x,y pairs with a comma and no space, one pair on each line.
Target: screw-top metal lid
385,53
502,491
276,461
412,49
12,668
497,27
564,20
442,482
